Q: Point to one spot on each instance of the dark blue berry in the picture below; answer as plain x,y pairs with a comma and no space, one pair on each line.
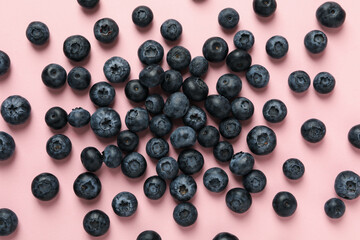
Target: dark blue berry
228,18
148,235
255,181
124,204
142,16
176,105
106,30
79,117
58,146
293,168
185,214
112,156
9,222
223,151
88,3
354,136
229,85
105,122
87,186
238,200
116,70
195,118
244,40
284,204
167,168
215,179
4,63
7,146
313,130
331,14
45,186
190,161
347,185
208,136
195,89
56,118
137,119
171,30
160,125
218,106
150,52
238,60
37,33
133,165
79,78
178,58
334,208
241,163
127,141
157,148
183,137
274,111
315,41
257,76
230,128
154,187
264,8
183,188
198,66
151,76
96,223
54,76
324,83
261,140
76,48
102,94
91,159
154,104
215,49
172,81
242,108
225,236
299,81
277,47
135,91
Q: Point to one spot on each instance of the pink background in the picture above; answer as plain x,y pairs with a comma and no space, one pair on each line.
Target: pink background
62,217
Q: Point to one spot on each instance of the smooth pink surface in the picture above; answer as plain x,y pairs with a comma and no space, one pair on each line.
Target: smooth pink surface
62,217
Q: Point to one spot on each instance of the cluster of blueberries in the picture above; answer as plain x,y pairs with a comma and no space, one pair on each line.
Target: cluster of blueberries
225,106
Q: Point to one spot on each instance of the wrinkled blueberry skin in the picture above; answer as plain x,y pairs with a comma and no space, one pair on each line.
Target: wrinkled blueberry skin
150,52
215,49
225,236
255,181
9,222
167,168
124,204
299,81
195,118
76,48
106,30
228,18
160,125
315,41
142,16
105,122
190,161
7,146
261,140
354,136
151,76
230,128
157,148
171,30
217,106
154,187
127,141
238,60
241,163
87,186
79,117
331,15
135,91
88,3
264,8
148,235
242,108
154,104
238,200
185,214
208,136
102,94
96,223
4,63
172,81
183,137
215,179
223,151
133,165
244,40
112,156
37,33
229,85
277,47
293,168
195,89
313,130
274,111
79,78
258,76
284,204
176,105
183,188
198,66
137,119
347,185
45,186
91,159
334,208
324,83
54,76
116,69
58,146
178,58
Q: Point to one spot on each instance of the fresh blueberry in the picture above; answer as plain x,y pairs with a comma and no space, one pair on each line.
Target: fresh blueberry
171,30
185,214
229,85
79,117
255,181
151,76
87,186
215,49
102,94
127,141
37,33
195,118
198,66
347,185
116,69
293,168
112,156
167,168
208,136
157,148
299,81
58,146
137,119
133,165
195,89
277,47
76,48
183,188
264,8
45,186
142,16
79,78
324,83
8,222
315,41
183,137
225,236
334,208
313,130
244,40
96,223
106,30
91,159
331,15
176,105
154,103
218,106
148,235
228,18
172,81
223,151
230,128
124,204
135,91
261,140
88,3
190,161
238,200
274,111
258,76
238,60
354,136
241,163
178,58
105,122
54,76
154,187
242,108
150,52
56,118
7,146
4,63
215,179
284,204
160,125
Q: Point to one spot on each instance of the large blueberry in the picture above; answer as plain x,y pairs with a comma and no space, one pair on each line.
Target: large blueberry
7,146
261,140
176,105
87,186
331,14
8,222
152,75
45,186
124,204
190,161
215,179
150,52
183,188
183,137
102,94
116,69
154,187
96,223
238,200
76,48
167,168
195,118
347,185
255,181
242,108
218,106
91,159
133,165
106,30
313,130
185,214
157,148
15,110
137,119
105,122
284,204
241,163
58,146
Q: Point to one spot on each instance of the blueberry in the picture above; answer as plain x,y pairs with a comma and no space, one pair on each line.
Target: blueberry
154,103
151,76
37,33
160,125
238,200
142,16
261,140
87,186
230,128
354,136
313,130
183,137
185,214
45,186
172,81
9,222
324,83
215,179
137,119
124,204
91,159
190,161
96,223
255,181
79,78
105,122
167,168
347,185
4,63
150,52
238,60
88,3
315,41
195,89
299,81
116,69
258,76
56,118
242,108
195,118
102,94
198,66
277,47
76,48
54,76
228,18
148,235
112,156
208,136
218,106
58,146
215,49
171,30
264,8
178,58
225,236
127,141
106,30
133,165
274,111
135,91
176,105
293,168
154,187
183,188
79,117
284,204
244,40
157,148
334,208
223,151
229,85
241,163
331,15
7,146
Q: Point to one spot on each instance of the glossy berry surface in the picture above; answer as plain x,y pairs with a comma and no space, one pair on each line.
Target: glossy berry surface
54,76
58,146
151,76
172,81
293,168
217,106
88,3
223,151
238,200
255,181
127,141
244,40
106,30
215,49
171,30
157,148
215,179
148,235
330,14
102,94
137,119
135,91
9,221
185,214
176,105
238,60
264,8
225,236
76,48
242,108
313,130
105,122
160,125
315,41
241,163
299,81
198,66
87,186
183,137
277,47
142,16
154,104
261,140
37,33
230,128
195,89
229,85
124,204
91,159
178,58
183,188
112,156
258,76
150,52
190,161
79,78
154,187
228,18
96,223
324,83
79,117
274,111
167,168
208,136
56,118
334,208
284,204
133,165
195,118
116,69
45,186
